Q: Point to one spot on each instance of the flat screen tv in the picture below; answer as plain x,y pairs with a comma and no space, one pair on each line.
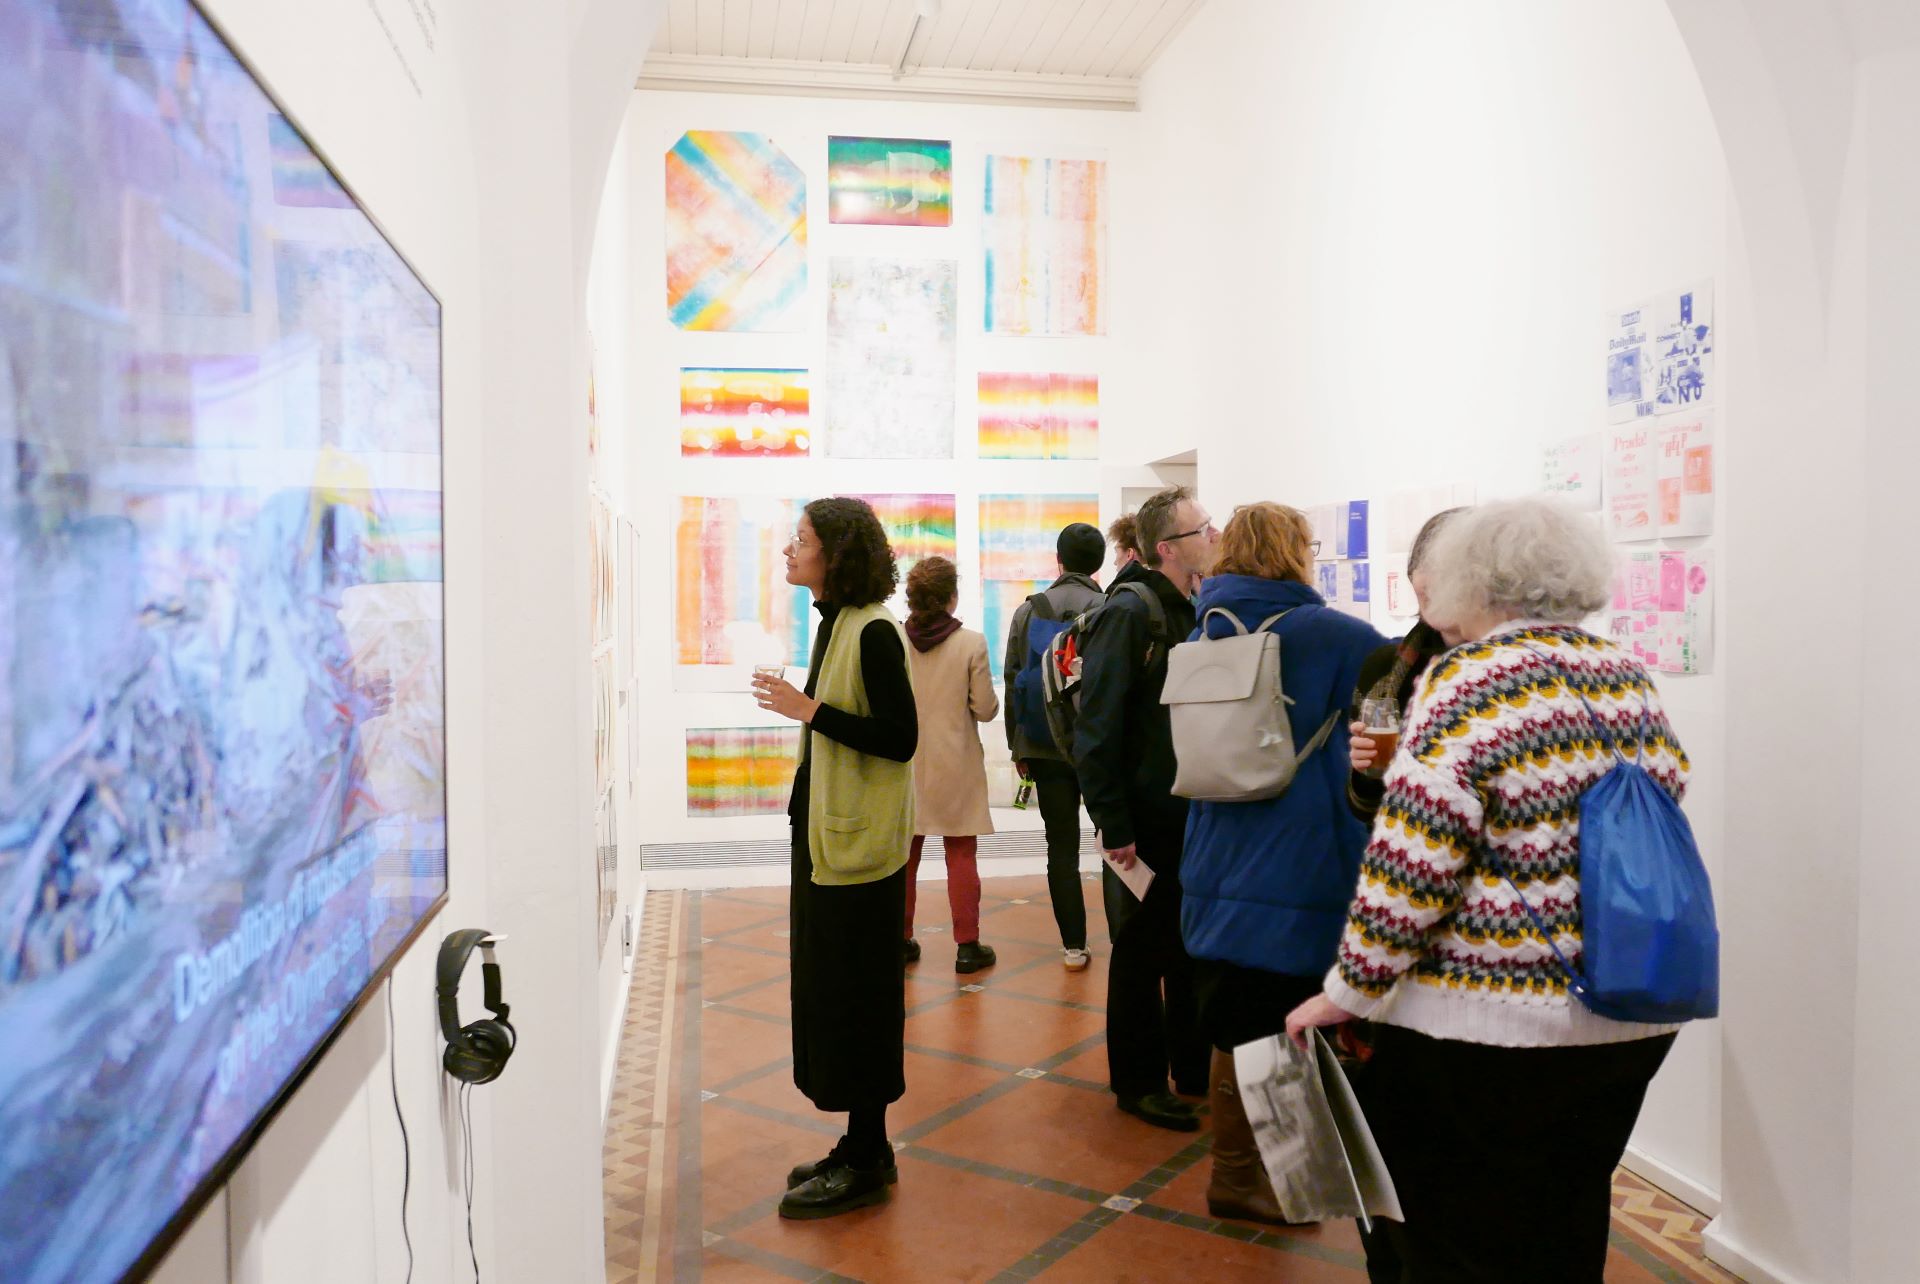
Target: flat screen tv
222,696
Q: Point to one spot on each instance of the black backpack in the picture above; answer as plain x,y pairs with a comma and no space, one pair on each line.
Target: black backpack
1060,667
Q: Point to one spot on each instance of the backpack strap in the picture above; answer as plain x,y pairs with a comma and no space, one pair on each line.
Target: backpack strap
1042,606
1231,618
1234,620
1320,736
1156,609
1576,979
1606,736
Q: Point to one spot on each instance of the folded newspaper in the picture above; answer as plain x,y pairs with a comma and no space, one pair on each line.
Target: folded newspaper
1315,1143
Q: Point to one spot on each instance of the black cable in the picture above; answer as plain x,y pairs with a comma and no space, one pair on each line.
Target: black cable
406,1143
466,1132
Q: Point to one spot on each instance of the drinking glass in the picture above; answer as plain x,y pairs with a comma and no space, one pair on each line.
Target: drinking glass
1381,714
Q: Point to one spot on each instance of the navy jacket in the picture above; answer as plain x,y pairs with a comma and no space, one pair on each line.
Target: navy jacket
1267,883
1122,740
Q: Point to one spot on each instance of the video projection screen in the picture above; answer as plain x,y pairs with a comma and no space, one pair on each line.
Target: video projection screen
222,749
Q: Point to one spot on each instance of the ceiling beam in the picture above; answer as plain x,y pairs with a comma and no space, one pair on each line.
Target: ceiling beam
710,74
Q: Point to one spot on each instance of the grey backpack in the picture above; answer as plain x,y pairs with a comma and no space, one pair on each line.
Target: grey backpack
1231,734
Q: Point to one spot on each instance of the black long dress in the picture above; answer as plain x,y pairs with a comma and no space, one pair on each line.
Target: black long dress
849,986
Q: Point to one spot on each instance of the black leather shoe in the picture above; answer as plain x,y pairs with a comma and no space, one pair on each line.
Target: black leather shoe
972,957
909,951
839,1189
805,1173
1162,1110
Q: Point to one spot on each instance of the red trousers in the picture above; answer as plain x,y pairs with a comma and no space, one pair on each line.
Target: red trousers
963,884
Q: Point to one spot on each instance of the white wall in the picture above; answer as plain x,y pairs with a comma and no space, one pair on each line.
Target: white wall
1398,226
1816,106
657,473
483,157
610,324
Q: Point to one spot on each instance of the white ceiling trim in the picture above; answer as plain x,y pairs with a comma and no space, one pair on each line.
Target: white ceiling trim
719,74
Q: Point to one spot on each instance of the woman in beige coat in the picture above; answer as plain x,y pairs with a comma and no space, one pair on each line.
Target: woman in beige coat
952,692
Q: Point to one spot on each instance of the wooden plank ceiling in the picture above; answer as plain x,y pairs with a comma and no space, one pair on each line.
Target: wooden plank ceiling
1091,50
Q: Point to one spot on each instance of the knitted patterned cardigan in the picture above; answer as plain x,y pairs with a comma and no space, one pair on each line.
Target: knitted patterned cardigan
1495,755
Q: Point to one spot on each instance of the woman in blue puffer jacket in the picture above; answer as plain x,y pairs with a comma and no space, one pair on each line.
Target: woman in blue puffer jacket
1267,884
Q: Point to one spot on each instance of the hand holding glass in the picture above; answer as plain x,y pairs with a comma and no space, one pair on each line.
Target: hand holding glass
1380,716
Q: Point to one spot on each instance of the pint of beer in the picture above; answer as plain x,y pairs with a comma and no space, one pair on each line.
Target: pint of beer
1385,741
1381,714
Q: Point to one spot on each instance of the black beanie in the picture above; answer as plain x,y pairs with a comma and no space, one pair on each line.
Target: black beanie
1082,549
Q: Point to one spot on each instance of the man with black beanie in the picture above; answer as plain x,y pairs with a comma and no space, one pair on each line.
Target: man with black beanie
1081,550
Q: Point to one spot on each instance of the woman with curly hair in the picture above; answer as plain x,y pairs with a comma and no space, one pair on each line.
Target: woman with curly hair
953,689
852,817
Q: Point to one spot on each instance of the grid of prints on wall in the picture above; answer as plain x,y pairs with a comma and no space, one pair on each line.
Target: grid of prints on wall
1018,554
885,389
890,358
1044,235
740,771
744,413
1656,467
736,234
1039,416
898,182
732,604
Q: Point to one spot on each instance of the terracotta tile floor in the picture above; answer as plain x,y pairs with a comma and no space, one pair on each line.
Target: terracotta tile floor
1014,1163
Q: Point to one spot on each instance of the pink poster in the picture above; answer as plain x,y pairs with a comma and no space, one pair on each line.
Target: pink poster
1663,609
1685,443
1631,493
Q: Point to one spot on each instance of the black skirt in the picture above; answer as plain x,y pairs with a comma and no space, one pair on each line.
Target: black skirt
849,986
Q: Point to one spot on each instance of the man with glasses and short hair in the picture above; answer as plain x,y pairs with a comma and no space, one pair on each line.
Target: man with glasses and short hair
1123,753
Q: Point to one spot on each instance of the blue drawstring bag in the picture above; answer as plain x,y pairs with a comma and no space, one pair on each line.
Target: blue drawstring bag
1651,942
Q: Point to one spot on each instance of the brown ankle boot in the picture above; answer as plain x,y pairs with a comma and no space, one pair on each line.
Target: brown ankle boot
1239,1187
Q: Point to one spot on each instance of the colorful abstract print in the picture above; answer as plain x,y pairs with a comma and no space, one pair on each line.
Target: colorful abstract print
736,234
918,527
1045,235
1019,533
1039,416
740,771
999,600
744,413
899,182
732,603
891,326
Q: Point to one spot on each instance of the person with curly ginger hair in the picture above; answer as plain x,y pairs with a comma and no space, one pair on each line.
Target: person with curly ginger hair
852,813
953,689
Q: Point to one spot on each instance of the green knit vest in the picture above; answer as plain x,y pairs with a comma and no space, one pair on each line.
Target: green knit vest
859,807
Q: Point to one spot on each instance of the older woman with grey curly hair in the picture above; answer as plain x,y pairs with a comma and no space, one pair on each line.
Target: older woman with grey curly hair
1486,1075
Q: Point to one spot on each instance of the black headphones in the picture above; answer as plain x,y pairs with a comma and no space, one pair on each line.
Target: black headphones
476,1052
